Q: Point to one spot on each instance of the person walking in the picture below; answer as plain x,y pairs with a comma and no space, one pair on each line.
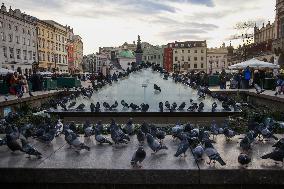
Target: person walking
247,77
222,79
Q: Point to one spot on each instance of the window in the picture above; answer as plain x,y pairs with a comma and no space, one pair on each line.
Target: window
25,54
48,56
18,39
9,26
24,41
30,55
1,24
188,58
18,54
176,58
43,56
24,31
10,37
145,57
47,44
188,51
59,58
59,47
195,65
56,46
11,52
195,51
182,51
33,43
34,56
39,56
62,39
42,32
159,56
43,43
182,58
202,58
176,52
16,28
195,58
155,56
176,45
202,51
39,43
51,35
202,65
47,34
29,42
52,57
5,52
2,36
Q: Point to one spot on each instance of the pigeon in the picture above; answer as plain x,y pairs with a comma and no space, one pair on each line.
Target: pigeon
188,128
101,139
193,107
78,145
98,107
80,107
212,153
114,106
161,106
134,107
182,106
124,104
129,128
226,106
244,159
214,129
71,105
48,137
245,144
229,133
198,152
69,136
88,130
200,107
154,144
117,135
106,106
63,106
157,88
214,106
279,144
3,141
59,128
99,127
168,105
29,149
13,144
93,107
266,133
144,107
140,136
174,106
160,135
276,155
138,156
145,128
182,147
177,130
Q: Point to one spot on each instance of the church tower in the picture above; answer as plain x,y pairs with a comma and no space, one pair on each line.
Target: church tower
139,52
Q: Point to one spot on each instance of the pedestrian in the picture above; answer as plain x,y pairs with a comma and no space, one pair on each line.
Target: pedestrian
247,77
222,79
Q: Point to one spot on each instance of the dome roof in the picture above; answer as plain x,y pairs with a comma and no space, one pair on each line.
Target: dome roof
126,54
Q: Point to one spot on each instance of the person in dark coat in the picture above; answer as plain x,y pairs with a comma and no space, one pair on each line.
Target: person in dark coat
36,81
256,79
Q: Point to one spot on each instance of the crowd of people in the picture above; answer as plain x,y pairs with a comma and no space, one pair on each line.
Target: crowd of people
18,84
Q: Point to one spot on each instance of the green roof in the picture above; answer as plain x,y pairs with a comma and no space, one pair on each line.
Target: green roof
126,54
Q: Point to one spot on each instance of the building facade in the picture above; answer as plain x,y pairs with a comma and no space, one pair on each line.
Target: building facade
60,41
265,34
154,54
78,53
189,56
168,59
18,39
217,59
45,45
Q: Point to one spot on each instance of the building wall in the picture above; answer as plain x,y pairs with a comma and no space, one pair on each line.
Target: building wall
78,52
46,34
17,40
168,59
153,54
189,55
264,34
217,59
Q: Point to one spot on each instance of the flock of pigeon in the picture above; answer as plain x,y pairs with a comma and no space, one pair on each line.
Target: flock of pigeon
200,141
228,103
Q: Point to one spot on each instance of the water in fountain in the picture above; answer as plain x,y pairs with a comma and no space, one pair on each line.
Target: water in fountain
139,88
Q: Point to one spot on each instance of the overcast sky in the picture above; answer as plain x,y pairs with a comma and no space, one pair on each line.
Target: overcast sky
113,22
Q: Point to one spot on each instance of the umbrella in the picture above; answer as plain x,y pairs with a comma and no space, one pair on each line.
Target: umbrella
4,71
254,63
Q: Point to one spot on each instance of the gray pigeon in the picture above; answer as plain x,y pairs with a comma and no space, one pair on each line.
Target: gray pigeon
245,144
29,149
198,152
78,145
212,153
182,147
140,136
129,128
48,137
117,135
154,144
244,159
276,155
99,127
101,139
13,144
3,141
229,133
138,156
279,144
70,136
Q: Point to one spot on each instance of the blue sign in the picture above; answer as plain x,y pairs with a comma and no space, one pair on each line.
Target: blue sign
7,110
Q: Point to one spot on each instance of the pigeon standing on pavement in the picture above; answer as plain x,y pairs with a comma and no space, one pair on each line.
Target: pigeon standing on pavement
212,153
198,152
138,156
154,144
29,149
277,155
182,147
13,144
101,139
244,159
140,136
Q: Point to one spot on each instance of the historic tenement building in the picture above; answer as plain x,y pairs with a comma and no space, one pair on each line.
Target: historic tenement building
187,56
18,39
217,59
265,34
278,43
78,53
